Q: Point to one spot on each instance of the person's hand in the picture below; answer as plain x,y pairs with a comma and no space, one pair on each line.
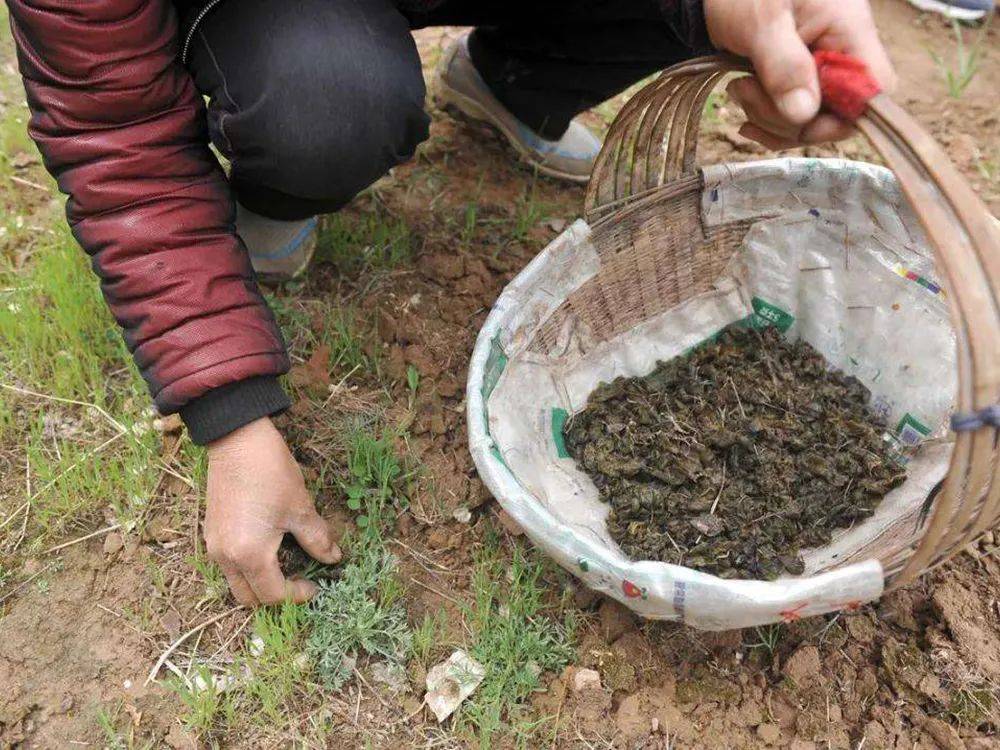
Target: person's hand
255,495
782,100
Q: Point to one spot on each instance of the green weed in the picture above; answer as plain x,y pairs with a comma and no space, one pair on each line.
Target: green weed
959,73
373,468
119,739
369,242
971,706
272,663
55,331
514,637
528,211
212,578
205,703
428,637
712,105
412,382
347,352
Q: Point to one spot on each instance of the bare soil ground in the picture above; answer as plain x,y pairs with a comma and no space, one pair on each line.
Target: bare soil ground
81,627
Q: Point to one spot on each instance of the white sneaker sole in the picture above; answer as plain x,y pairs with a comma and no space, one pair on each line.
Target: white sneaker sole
950,11
447,98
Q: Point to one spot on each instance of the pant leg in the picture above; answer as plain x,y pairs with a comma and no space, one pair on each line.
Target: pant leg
549,60
311,101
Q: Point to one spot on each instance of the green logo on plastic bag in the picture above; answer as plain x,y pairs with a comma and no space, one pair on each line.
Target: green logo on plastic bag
765,314
559,417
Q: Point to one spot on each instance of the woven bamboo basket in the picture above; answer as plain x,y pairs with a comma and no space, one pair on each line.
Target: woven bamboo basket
654,254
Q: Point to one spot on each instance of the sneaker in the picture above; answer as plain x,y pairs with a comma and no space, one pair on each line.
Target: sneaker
279,250
960,10
459,89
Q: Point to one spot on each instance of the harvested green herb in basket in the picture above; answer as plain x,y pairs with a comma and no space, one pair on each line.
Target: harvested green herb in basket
735,457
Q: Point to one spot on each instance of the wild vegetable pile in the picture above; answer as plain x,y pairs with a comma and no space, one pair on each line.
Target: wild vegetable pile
734,457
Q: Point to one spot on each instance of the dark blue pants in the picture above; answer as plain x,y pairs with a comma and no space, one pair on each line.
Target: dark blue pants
313,100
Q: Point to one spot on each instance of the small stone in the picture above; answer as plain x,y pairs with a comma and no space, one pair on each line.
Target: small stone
67,703
113,542
169,423
585,679
462,514
708,525
171,622
803,666
769,733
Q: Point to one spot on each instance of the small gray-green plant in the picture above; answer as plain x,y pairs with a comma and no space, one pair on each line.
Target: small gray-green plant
768,638
361,612
971,705
959,73
357,614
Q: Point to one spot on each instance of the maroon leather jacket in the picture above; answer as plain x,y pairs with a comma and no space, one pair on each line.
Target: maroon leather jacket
123,130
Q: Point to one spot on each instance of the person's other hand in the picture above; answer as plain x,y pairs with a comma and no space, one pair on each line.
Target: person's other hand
255,494
782,99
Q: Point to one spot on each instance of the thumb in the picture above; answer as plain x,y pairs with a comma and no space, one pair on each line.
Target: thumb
314,536
786,69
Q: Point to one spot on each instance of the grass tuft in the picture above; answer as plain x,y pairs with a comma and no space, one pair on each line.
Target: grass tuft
368,242
959,74
514,637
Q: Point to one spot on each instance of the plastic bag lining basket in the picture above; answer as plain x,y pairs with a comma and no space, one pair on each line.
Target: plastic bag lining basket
643,200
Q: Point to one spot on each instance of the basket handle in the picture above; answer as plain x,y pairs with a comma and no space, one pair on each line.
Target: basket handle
652,144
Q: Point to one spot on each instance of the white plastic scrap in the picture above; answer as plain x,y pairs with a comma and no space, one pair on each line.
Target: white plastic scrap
451,682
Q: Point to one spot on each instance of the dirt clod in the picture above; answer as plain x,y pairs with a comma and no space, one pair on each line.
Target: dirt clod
769,733
734,457
113,543
802,667
615,619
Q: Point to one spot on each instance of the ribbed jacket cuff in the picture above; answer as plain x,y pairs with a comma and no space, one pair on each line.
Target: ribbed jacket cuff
222,410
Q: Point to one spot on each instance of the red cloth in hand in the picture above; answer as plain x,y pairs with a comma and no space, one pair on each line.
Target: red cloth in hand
845,83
